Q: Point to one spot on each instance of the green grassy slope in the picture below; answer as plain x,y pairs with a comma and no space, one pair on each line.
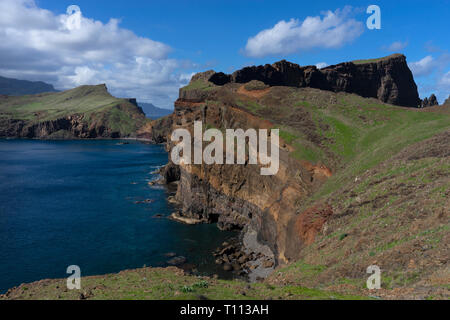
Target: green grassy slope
389,190
375,60
163,284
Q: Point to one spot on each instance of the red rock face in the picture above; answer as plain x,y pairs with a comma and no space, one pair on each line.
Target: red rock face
310,222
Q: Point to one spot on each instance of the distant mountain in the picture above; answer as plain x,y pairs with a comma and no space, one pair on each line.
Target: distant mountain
153,112
14,87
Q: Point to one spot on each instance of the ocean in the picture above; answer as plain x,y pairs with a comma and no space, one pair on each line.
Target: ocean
88,203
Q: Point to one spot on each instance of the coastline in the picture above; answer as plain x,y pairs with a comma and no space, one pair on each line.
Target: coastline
203,258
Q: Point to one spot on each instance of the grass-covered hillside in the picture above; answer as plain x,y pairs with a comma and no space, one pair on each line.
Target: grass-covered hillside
88,111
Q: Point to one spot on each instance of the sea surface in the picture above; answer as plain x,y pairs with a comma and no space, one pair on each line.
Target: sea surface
84,203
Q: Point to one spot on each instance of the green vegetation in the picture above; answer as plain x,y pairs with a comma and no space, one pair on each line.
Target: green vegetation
373,60
169,283
287,136
199,85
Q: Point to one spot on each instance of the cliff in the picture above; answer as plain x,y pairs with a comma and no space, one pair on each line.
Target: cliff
387,79
334,145
83,112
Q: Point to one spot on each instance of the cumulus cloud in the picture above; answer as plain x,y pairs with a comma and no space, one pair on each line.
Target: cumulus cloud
70,50
445,81
423,67
428,65
321,65
397,46
443,91
332,30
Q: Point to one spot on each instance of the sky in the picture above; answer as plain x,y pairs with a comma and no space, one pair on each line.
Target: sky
149,49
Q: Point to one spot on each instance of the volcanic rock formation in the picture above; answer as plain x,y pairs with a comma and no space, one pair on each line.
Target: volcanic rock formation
388,79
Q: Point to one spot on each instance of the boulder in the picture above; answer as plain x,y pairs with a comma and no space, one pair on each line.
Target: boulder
227,267
177,261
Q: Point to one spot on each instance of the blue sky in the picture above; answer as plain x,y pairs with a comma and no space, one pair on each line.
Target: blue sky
194,36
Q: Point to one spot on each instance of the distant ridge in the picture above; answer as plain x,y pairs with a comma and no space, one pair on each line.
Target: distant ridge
14,87
153,112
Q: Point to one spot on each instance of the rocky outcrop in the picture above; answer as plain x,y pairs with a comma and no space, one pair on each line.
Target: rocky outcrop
447,101
430,102
157,131
388,79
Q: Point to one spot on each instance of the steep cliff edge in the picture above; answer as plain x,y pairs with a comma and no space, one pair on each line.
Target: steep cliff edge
83,112
329,141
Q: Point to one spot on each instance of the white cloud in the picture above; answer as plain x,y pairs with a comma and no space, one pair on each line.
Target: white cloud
429,65
443,91
397,46
321,65
423,67
332,30
69,50
445,81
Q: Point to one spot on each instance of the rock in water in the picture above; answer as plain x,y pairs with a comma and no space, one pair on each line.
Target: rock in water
170,254
227,267
177,261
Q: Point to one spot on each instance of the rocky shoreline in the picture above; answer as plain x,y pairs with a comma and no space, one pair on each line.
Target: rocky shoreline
234,257
242,256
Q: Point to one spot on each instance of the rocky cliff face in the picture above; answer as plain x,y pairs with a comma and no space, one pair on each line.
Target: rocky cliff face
69,127
238,197
388,79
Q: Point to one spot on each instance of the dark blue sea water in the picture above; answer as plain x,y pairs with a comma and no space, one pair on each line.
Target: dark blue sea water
74,203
